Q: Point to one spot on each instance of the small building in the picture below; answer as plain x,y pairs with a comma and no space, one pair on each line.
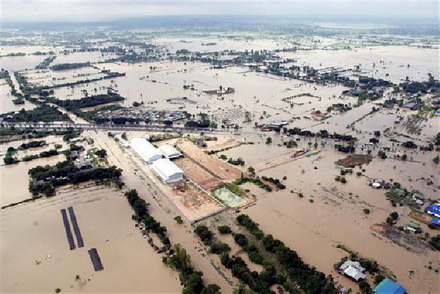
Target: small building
435,221
145,150
201,143
353,270
170,152
167,171
413,227
434,209
389,287
376,185
418,198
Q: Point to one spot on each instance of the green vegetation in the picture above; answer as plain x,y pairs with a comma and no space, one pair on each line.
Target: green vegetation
68,66
9,157
256,181
191,280
45,63
204,234
44,179
307,278
32,144
435,242
238,161
382,154
42,113
274,181
178,219
436,159
224,230
75,105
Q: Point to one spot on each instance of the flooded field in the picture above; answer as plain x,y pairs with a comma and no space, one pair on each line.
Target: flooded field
262,119
105,223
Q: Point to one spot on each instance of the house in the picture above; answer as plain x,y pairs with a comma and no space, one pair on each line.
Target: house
434,209
170,152
435,221
145,150
413,227
418,198
167,171
353,270
389,287
376,185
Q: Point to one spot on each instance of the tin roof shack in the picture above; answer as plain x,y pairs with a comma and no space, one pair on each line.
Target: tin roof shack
434,209
389,287
413,227
353,270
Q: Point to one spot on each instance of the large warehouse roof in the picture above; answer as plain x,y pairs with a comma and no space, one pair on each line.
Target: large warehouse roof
170,152
145,150
167,170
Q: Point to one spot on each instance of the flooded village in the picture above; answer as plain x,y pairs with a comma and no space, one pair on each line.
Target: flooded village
217,159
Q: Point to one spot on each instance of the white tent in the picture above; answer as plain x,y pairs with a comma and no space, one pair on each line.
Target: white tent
170,152
145,150
167,171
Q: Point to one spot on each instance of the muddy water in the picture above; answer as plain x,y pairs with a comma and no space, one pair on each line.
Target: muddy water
314,229
34,231
161,208
395,61
6,104
15,179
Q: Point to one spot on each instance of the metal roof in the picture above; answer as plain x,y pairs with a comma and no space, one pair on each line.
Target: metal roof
145,150
166,169
389,287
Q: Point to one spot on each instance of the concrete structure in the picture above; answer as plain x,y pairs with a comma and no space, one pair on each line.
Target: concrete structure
167,171
434,209
170,152
145,150
389,287
353,270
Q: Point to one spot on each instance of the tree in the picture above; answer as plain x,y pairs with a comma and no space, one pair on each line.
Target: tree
178,219
102,153
211,289
224,230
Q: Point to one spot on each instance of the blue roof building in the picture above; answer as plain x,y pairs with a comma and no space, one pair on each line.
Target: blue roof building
435,221
434,209
389,287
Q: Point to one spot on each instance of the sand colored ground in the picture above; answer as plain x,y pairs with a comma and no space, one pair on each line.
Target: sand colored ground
197,174
213,165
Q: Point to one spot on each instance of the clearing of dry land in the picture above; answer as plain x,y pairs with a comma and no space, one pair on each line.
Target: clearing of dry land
354,159
211,164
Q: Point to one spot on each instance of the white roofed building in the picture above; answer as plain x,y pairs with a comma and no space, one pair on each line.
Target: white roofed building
145,150
170,152
167,171
353,270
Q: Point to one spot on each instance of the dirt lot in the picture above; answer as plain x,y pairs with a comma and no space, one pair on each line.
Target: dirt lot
197,174
209,163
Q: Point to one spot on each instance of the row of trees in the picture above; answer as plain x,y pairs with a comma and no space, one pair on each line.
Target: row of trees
307,278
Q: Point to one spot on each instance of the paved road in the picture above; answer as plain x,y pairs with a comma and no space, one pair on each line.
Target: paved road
141,128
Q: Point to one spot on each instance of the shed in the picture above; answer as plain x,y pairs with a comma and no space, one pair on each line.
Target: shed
434,209
145,150
170,152
167,171
389,287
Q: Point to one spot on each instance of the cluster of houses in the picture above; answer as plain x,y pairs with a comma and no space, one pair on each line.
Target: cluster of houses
159,159
355,271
